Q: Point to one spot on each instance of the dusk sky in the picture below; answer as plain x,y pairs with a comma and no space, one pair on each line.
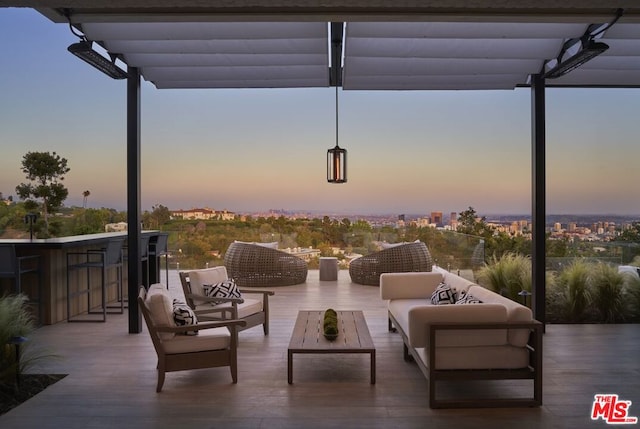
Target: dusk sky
252,150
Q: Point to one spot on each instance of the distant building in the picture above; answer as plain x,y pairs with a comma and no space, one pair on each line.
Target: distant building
199,214
453,221
225,215
202,214
305,253
400,223
436,217
423,222
115,227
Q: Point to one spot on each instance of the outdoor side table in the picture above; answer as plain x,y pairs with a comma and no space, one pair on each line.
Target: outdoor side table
328,268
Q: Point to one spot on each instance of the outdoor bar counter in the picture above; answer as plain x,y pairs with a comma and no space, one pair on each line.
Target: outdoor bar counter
53,266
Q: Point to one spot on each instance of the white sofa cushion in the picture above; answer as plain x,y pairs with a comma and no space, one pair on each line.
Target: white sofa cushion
516,312
458,283
408,285
421,317
399,308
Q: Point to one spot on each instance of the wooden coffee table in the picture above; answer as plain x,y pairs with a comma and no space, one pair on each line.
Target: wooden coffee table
353,337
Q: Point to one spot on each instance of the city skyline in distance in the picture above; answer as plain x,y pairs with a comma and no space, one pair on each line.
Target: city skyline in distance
551,218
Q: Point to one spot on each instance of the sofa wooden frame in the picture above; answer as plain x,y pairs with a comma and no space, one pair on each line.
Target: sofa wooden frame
532,372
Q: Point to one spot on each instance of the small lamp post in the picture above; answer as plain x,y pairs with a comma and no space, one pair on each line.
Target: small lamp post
524,294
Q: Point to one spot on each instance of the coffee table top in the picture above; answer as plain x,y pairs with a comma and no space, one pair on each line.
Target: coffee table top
353,333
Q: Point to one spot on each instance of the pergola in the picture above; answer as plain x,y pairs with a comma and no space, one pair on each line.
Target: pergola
358,45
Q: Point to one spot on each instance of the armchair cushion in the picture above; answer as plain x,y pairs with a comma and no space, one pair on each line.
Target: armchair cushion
224,289
183,315
247,308
208,339
208,276
161,309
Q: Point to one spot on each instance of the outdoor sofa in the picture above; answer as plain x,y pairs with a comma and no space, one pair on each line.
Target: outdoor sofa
494,339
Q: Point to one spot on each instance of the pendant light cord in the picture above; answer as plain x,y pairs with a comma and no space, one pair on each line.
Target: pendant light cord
336,115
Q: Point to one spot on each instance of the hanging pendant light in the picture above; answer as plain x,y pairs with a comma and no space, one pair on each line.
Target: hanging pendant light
337,157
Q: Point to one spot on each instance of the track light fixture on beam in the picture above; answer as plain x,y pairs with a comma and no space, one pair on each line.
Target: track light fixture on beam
575,52
84,50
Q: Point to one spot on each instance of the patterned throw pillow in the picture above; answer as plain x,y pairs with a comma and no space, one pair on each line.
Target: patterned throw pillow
225,289
183,315
444,294
467,298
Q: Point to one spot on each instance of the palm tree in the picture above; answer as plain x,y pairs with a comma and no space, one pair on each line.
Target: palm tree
85,194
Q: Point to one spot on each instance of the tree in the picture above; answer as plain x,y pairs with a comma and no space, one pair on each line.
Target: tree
157,217
85,195
470,223
45,171
631,234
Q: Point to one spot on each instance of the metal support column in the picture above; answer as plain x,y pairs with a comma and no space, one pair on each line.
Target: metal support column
538,196
134,216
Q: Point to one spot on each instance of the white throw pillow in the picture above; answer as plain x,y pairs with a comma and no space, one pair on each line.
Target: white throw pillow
444,294
199,278
225,289
183,315
467,298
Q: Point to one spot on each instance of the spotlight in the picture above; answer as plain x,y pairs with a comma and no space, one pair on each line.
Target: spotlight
84,51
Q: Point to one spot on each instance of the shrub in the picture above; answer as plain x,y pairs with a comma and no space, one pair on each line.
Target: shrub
632,297
507,275
15,321
555,301
573,288
608,294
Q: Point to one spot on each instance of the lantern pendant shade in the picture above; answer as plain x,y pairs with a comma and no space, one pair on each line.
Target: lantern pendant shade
337,165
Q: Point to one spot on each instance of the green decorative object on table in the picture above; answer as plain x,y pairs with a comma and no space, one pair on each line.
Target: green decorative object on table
330,325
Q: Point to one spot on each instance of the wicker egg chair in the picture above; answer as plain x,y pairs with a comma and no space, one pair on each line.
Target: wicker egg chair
259,266
406,257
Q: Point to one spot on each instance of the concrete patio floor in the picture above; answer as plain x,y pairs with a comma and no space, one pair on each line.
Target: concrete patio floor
111,377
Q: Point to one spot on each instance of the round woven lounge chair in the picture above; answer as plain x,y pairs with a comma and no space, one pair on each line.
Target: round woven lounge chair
407,257
254,265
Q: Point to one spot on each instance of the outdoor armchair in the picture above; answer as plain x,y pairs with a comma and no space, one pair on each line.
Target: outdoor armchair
404,257
252,306
215,344
255,264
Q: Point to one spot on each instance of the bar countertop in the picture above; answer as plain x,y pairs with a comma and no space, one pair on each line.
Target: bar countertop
69,241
